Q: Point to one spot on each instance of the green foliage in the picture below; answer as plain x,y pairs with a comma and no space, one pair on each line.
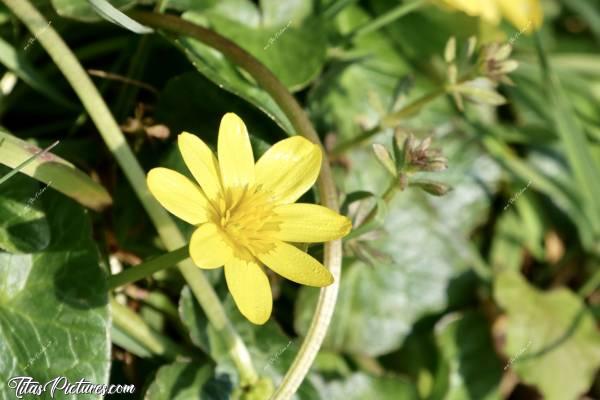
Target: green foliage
186,380
408,282
270,348
469,367
53,300
545,331
53,171
488,291
362,386
83,10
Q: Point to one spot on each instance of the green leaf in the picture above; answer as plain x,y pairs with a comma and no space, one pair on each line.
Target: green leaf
123,339
82,10
271,350
378,218
220,71
547,172
549,332
293,51
183,380
418,43
279,34
14,61
469,369
23,224
201,113
276,13
54,317
507,250
52,170
360,386
112,14
576,146
427,240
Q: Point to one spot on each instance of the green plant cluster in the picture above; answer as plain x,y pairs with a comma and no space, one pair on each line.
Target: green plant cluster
470,169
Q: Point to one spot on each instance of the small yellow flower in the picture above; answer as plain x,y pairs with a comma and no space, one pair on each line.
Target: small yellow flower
245,213
525,15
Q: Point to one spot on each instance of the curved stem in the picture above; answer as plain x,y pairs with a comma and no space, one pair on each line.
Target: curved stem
170,235
299,120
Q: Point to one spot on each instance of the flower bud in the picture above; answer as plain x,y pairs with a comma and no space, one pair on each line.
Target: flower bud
432,187
384,158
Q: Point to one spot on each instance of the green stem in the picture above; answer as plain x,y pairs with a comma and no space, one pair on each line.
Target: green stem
385,19
130,322
148,268
299,120
348,144
172,238
387,196
394,118
391,120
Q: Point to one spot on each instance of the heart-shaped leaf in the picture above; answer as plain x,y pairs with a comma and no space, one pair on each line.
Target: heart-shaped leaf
470,368
54,317
549,332
23,224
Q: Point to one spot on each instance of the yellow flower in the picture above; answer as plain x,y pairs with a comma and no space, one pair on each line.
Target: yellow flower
525,15
245,213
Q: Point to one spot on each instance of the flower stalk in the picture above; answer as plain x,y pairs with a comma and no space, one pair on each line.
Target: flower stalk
172,238
386,18
326,185
148,268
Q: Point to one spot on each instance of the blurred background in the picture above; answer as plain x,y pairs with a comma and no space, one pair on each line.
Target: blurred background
464,137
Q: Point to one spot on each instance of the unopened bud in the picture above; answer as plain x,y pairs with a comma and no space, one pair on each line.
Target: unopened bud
471,46
384,158
503,52
481,91
431,187
424,145
436,164
507,67
450,51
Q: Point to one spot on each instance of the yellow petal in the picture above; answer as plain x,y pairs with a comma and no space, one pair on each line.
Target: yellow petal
210,247
250,289
467,6
525,15
295,265
309,223
289,168
489,11
178,195
235,153
201,162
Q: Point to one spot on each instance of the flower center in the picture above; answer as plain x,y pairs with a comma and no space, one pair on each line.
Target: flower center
245,215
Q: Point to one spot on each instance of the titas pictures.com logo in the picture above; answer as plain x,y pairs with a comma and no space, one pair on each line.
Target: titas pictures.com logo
26,385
